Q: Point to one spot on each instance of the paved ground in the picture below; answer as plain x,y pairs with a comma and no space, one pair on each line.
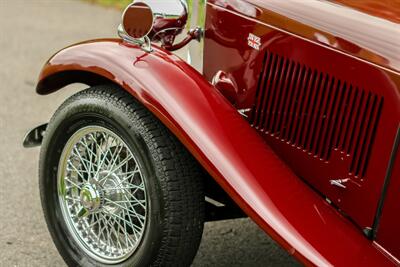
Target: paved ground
30,31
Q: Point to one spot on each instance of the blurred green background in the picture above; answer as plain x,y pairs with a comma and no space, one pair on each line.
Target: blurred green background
111,3
122,4
119,3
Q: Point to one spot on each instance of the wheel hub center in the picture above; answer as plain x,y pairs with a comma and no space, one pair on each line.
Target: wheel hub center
112,191
90,198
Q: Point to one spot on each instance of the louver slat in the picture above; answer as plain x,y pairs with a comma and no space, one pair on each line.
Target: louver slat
315,111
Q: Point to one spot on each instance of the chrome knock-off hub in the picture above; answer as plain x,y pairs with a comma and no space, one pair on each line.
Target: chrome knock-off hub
90,198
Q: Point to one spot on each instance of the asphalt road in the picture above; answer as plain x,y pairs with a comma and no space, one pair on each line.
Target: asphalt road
30,32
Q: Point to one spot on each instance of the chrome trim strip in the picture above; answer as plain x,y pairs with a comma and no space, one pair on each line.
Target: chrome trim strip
385,187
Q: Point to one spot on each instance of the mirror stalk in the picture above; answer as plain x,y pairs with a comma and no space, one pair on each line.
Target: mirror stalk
193,34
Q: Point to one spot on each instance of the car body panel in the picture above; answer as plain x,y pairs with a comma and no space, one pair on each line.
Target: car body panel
209,126
385,9
339,48
335,26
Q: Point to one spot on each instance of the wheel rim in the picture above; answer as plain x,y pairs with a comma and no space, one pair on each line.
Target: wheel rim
102,194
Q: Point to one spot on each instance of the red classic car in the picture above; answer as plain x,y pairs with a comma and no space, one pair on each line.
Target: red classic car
284,111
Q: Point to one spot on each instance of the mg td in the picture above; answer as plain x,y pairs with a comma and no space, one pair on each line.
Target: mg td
284,111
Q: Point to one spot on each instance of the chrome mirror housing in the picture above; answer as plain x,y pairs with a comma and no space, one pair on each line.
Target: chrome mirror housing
167,20
170,18
137,23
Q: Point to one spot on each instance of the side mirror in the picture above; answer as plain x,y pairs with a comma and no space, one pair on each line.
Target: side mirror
144,21
137,20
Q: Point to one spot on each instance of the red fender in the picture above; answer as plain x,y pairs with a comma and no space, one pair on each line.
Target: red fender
225,145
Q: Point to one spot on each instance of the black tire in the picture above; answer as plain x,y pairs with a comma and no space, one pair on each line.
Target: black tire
173,178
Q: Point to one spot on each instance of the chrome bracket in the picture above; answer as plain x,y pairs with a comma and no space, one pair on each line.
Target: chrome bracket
144,43
35,136
339,182
244,112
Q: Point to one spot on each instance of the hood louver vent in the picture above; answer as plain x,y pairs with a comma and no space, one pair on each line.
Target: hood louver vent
316,112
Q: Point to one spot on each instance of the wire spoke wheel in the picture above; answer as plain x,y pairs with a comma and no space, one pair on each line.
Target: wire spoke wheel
102,194
117,188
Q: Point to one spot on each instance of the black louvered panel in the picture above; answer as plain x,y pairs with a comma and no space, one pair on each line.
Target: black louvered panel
315,111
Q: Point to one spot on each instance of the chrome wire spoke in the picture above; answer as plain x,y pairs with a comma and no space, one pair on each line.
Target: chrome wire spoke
116,234
127,237
131,211
132,174
79,172
134,187
67,179
92,155
86,163
77,153
129,222
134,198
131,202
102,194
118,167
75,199
114,157
101,158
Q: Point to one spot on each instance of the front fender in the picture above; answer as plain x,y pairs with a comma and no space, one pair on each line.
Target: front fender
224,144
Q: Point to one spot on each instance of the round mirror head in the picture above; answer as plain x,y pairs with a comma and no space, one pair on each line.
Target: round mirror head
137,20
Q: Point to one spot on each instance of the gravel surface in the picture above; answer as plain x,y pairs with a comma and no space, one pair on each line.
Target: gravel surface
30,31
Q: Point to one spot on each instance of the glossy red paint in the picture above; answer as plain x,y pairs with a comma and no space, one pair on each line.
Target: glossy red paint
385,9
328,24
207,124
388,228
319,42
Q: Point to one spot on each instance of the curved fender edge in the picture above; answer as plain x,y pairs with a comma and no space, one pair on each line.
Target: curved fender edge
224,144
